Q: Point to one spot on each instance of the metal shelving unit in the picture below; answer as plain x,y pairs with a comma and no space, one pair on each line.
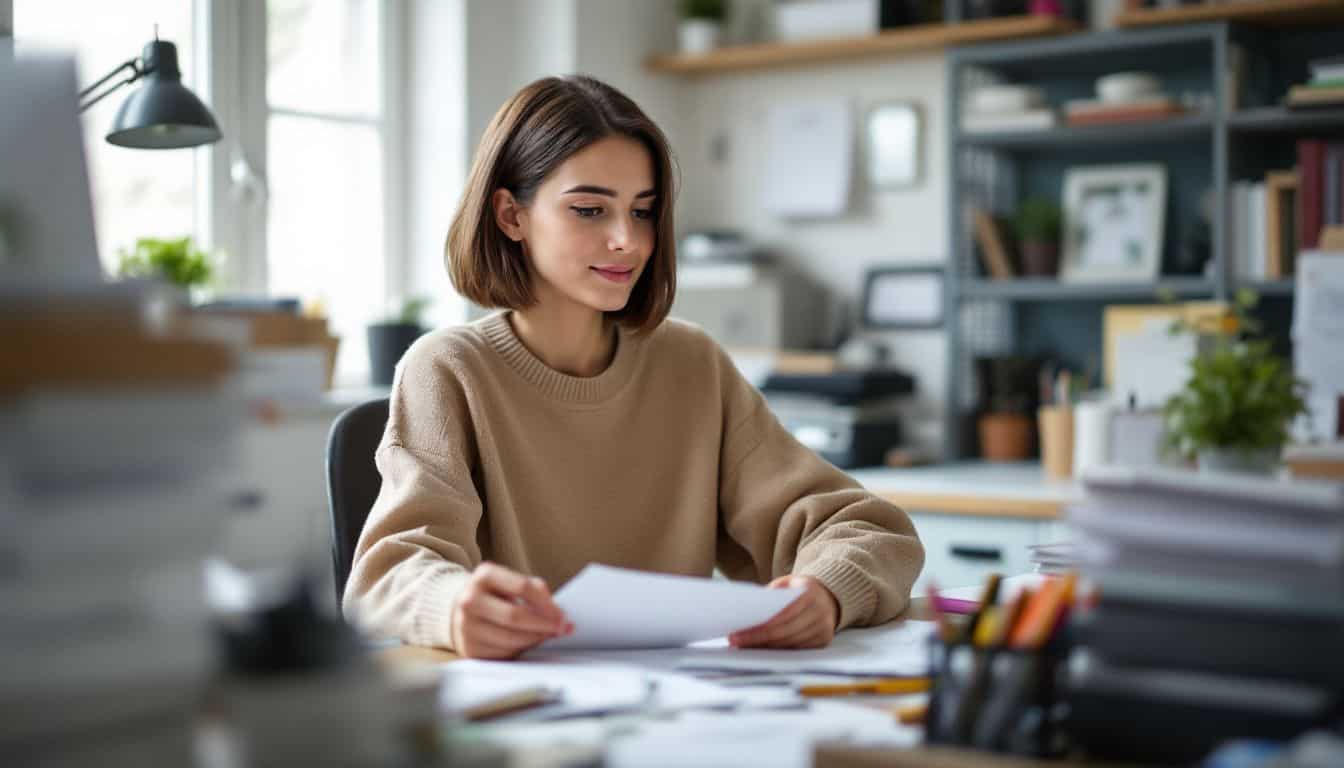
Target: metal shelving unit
1203,152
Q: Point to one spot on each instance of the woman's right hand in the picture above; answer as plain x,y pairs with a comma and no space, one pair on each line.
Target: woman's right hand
501,613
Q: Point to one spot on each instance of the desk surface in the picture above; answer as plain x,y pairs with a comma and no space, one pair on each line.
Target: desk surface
1018,489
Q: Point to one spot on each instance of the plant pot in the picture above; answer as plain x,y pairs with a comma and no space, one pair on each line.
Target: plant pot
1005,436
387,343
1040,258
1255,462
698,35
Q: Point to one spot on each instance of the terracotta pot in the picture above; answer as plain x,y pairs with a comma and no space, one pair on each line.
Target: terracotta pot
1005,436
1040,259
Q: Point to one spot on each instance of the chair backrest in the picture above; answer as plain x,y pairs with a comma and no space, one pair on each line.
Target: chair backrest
352,480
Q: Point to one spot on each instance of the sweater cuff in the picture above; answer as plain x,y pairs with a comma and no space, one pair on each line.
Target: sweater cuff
432,610
850,585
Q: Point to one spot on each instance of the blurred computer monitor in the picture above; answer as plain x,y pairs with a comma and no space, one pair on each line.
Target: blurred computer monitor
46,214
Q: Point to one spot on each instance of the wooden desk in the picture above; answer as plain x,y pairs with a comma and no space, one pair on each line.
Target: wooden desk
1015,490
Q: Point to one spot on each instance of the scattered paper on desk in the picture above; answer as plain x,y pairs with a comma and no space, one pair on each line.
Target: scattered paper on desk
895,649
613,608
808,154
582,689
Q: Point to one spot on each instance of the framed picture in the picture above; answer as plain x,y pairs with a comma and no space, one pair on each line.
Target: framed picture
893,145
903,297
1113,222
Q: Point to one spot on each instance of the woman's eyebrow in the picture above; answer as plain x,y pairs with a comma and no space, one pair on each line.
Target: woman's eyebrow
595,190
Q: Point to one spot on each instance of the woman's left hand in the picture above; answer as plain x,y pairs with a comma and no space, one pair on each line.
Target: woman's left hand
807,622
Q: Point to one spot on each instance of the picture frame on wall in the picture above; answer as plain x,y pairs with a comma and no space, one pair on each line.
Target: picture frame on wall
1114,221
903,297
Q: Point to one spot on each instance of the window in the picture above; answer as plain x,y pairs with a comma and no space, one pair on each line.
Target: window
301,194
136,193
327,231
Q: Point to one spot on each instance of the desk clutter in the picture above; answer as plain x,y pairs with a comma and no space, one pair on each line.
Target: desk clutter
109,504
994,673
119,466
1220,613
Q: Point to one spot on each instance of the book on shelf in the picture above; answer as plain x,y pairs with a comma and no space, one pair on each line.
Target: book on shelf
1028,120
1320,197
1280,223
1096,112
1316,96
993,248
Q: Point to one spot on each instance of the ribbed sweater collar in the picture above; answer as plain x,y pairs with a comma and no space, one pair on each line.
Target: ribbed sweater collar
498,331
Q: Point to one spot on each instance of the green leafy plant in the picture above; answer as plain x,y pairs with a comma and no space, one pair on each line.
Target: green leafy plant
175,260
709,10
1240,395
408,310
1038,220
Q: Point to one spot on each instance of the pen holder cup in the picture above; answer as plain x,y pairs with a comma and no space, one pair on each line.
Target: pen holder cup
999,700
1055,427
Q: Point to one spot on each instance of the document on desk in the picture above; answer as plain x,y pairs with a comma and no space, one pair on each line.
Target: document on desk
616,608
896,649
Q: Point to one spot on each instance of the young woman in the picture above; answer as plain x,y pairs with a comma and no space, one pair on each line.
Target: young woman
578,425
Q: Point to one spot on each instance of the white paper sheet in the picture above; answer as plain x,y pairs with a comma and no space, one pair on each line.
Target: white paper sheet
614,608
809,149
776,739
895,649
584,689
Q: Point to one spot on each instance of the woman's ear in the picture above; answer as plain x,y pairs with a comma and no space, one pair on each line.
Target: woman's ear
508,214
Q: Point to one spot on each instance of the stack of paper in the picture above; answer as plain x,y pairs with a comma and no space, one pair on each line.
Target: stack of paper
1220,596
1318,338
115,472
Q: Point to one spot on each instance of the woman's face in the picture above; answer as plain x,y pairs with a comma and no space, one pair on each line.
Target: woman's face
589,231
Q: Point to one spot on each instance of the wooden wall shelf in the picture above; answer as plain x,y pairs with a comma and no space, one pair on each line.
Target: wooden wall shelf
1270,13
905,40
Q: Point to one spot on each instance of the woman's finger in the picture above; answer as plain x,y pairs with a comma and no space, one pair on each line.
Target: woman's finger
786,614
792,625
530,590
510,613
505,638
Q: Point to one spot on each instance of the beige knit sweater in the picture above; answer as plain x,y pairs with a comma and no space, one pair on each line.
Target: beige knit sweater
666,461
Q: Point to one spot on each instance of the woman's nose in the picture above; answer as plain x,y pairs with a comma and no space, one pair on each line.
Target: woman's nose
618,239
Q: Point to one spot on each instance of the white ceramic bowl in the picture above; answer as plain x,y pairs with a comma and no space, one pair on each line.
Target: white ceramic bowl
1127,86
1001,99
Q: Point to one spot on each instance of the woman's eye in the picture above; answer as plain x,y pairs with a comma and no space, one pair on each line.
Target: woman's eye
586,213
644,214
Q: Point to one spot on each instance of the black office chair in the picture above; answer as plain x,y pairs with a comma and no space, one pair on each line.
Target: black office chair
352,480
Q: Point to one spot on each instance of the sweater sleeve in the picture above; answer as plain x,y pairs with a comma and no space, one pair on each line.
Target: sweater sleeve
788,511
419,543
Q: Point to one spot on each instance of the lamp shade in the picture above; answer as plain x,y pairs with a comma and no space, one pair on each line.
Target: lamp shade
162,113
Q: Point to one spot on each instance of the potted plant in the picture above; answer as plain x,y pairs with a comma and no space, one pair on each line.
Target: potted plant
1235,411
701,22
390,338
1038,225
176,261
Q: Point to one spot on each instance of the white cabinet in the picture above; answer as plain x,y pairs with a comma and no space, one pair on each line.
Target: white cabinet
961,550
280,516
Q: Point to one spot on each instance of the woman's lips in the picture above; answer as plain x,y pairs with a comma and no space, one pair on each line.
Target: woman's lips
615,274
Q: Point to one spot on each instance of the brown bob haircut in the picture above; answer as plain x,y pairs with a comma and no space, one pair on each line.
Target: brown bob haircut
529,137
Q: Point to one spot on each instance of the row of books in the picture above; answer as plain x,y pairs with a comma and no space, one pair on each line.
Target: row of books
1263,241
1220,611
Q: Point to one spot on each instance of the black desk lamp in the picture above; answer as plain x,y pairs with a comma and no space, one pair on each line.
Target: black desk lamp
162,114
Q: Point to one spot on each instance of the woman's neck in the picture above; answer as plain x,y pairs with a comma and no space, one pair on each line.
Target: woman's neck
569,338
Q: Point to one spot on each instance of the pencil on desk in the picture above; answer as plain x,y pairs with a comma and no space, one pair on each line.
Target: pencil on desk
882,687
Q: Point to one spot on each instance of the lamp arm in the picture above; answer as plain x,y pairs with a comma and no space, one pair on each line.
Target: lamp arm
136,74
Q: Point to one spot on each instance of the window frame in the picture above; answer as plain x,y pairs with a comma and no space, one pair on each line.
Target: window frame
235,211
